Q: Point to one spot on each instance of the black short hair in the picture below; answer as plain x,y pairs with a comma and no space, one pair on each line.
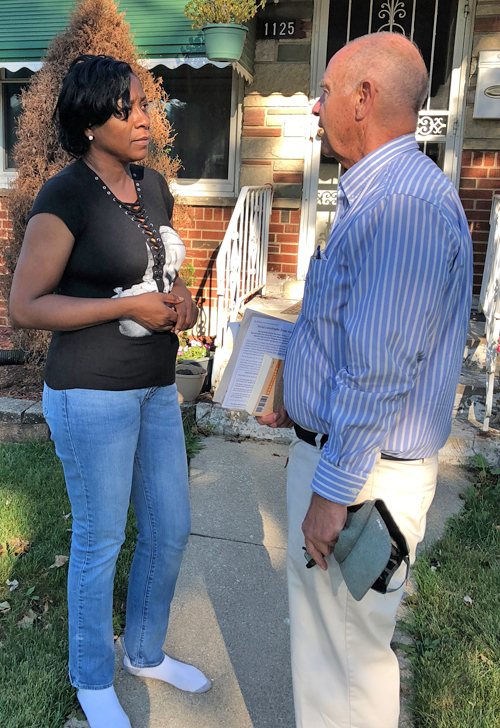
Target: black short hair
89,96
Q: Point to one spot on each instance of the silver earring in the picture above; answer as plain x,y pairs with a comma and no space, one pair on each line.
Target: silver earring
90,137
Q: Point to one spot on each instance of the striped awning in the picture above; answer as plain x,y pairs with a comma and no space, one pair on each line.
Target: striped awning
161,32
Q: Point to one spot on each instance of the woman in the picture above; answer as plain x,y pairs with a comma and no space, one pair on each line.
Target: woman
98,236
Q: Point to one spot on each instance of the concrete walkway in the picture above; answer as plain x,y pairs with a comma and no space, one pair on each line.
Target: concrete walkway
230,614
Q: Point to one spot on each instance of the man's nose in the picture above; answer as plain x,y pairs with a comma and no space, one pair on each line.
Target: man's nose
315,108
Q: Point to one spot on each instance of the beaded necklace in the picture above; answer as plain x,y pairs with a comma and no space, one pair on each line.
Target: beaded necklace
136,212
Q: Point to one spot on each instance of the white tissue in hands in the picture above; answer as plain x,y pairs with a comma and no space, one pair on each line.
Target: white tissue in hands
175,252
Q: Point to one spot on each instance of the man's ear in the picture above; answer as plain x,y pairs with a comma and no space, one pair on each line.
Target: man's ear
365,98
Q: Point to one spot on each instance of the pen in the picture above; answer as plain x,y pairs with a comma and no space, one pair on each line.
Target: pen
317,255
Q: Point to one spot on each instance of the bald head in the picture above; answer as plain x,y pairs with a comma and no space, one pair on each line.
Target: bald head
396,66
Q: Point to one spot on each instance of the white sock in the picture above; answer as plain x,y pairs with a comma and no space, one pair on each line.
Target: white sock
103,709
178,674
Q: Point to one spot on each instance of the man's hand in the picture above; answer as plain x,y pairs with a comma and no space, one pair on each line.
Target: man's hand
276,419
321,527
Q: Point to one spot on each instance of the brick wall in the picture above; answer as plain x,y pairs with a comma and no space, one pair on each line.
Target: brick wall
284,242
479,181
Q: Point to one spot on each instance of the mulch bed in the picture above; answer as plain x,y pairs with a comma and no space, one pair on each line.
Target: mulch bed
18,381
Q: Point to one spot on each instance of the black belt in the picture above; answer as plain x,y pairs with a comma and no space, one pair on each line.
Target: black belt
310,438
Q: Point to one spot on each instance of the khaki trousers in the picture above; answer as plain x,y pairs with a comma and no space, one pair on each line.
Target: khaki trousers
345,674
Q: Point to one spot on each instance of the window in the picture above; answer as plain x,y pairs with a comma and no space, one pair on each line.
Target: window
11,84
204,108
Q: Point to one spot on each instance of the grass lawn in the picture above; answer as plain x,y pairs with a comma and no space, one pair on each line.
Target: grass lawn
34,523
456,617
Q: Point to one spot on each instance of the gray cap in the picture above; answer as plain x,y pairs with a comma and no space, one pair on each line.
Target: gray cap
363,548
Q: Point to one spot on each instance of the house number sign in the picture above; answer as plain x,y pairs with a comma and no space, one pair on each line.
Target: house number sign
278,29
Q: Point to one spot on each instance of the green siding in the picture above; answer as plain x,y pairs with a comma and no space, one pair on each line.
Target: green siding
160,28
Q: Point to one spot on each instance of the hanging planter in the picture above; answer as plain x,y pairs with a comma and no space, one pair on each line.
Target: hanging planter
224,41
221,22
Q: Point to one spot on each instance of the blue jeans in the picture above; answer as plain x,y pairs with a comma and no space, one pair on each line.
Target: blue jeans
117,446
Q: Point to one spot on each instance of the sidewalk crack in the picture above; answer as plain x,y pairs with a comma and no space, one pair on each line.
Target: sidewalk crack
236,540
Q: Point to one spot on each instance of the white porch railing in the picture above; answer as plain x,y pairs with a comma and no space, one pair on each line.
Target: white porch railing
242,260
490,303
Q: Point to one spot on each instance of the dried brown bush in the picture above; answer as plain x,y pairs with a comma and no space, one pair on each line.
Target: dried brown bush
95,27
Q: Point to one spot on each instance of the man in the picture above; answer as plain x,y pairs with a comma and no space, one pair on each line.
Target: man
371,373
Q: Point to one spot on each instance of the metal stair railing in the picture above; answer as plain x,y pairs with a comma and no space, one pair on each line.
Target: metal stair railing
490,303
241,261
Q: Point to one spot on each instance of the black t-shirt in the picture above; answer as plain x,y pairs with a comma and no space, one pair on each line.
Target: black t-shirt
110,256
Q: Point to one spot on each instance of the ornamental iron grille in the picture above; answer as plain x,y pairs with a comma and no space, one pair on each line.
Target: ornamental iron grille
431,24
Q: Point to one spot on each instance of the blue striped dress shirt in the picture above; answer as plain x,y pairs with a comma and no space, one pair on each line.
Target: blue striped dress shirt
377,349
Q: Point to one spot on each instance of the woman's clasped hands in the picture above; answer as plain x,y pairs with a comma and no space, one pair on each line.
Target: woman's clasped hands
162,311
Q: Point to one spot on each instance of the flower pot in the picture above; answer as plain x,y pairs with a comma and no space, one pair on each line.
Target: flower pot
224,41
189,385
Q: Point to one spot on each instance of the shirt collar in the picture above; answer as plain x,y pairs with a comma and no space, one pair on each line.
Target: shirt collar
363,172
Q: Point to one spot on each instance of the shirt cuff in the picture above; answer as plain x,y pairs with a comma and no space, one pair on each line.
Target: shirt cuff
335,484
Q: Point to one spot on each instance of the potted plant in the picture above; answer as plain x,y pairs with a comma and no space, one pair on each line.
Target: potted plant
193,369
222,24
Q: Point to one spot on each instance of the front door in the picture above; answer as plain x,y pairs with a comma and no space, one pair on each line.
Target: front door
442,30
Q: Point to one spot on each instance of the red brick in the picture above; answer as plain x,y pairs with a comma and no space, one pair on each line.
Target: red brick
287,238
254,117
489,159
483,205
284,258
479,257
275,267
218,213
268,131
212,235
274,258
289,268
276,228
209,213
492,184
288,177
488,24
228,211
256,162
293,249
480,247
477,195
474,172
273,248
205,245
477,159
275,216
3,215
480,237
478,215
198,213
200,254
6,224
467,183
209,224
466,159
468,204
481,227
292,229
494,172
295,217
